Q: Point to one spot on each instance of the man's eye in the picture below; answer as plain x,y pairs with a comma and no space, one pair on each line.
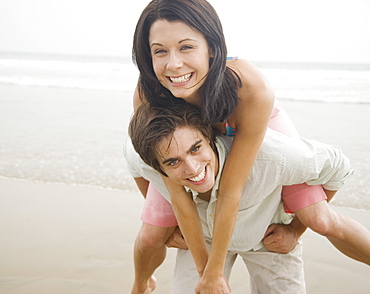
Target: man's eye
174,162
195,149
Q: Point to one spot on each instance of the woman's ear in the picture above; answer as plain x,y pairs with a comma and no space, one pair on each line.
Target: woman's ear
211,54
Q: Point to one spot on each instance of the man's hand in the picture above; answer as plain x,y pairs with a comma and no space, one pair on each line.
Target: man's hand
212,286
280,238
176,240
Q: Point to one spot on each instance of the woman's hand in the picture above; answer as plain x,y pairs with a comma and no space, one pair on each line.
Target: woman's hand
212,285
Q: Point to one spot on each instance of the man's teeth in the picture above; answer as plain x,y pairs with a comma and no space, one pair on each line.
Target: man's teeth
199,177
181,79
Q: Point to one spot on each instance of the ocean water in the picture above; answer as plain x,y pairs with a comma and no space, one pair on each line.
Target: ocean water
346,83
64,118
68,71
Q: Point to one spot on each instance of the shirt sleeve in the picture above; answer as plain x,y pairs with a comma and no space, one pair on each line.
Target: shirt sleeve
131,157
314,163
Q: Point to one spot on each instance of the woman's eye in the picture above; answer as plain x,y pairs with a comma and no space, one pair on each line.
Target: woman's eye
186,47
159,51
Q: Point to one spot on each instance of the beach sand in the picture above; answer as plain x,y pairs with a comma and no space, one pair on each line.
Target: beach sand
62,239
59,239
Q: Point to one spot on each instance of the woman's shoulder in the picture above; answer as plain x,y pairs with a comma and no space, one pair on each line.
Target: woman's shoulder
243,68
236,62
255,94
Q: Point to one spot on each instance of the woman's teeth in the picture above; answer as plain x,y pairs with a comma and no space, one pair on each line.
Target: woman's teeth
199,177
181,79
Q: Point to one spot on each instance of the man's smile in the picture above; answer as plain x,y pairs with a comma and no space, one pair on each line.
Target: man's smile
199,177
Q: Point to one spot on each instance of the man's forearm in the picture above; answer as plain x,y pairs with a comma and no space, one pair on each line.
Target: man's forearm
296,224
297,227
284,243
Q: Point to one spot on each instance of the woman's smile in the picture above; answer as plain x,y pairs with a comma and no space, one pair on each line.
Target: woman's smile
181,79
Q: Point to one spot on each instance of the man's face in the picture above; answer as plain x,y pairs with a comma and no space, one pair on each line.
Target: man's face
188,159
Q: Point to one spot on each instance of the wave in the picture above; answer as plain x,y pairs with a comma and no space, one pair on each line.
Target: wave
83,84
315,82
109,75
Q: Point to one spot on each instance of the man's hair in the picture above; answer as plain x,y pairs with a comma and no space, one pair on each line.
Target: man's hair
150,124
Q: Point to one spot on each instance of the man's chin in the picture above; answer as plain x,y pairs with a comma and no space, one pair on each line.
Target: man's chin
203,189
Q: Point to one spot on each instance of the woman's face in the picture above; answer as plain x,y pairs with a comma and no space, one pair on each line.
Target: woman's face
180,57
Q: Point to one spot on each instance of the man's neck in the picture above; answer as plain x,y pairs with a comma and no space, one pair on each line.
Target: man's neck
205,196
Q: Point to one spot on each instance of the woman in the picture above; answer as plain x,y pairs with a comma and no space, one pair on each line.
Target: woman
180,51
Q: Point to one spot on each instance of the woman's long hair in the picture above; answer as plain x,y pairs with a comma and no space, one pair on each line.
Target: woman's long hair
219,93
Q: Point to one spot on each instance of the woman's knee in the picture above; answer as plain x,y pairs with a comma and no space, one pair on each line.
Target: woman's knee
320,224
152,236
321,219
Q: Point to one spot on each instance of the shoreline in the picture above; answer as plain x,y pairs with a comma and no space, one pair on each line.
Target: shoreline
76,136
133,190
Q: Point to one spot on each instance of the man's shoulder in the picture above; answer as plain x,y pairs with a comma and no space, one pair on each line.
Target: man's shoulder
272,146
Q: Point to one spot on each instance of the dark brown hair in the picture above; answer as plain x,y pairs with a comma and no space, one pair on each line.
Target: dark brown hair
219,93
150,124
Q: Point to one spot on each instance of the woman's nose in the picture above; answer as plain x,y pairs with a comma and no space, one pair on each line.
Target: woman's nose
174,62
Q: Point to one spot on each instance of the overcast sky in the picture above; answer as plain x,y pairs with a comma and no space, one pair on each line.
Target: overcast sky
270,30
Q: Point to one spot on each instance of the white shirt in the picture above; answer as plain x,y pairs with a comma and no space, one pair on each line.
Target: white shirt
281,161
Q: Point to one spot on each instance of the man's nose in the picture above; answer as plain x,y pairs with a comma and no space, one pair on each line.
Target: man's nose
192,167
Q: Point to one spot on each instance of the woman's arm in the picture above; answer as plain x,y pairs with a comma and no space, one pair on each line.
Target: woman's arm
189,222
185,211
250,118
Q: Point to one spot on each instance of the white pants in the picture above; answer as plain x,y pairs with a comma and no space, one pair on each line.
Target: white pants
271,273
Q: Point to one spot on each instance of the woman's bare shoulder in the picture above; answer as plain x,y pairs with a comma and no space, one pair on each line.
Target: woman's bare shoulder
247,71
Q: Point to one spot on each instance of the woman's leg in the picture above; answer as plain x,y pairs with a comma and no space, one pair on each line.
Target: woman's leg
150,249
308,195
347,235
149,253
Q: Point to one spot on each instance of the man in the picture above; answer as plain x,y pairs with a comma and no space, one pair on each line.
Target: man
176,144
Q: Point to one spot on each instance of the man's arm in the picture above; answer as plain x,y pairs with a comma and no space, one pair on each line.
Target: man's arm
314,163
283,238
